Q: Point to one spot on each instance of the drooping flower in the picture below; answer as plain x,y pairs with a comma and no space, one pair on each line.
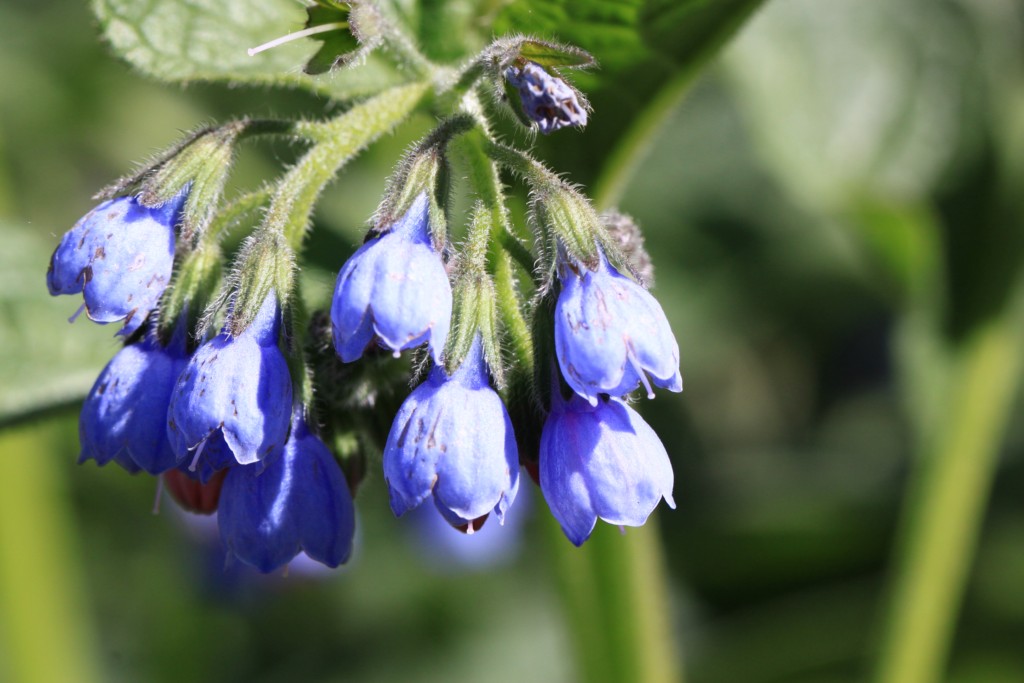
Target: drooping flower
233,400
393,288
452,438
547,100
602,462
298,502
125,414
610,333
119,256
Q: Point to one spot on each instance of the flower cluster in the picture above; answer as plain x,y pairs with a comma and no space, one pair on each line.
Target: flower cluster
246,405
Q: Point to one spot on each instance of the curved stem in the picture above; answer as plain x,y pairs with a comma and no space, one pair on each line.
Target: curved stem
336,142
232,213
946,504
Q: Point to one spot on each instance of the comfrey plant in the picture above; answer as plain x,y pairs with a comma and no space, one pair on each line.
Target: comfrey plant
246,397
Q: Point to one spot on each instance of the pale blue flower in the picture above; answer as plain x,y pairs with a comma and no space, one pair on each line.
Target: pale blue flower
119,256
602,462
234,398
610,333
393,289
452,439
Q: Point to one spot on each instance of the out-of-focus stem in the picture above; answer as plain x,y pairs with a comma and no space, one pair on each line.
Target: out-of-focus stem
616,602
42,610
946,504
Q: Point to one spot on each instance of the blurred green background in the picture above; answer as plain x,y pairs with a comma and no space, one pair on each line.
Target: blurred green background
833,213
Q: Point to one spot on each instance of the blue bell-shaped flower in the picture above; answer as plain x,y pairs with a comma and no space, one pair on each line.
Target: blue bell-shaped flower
125,414
453,439
394,288
603,462
120,256
298,502
610,333
234,398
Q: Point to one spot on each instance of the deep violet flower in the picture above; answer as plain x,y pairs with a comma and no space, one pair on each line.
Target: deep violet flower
394,288
547,100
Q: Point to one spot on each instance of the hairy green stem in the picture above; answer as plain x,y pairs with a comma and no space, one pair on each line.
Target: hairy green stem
232,214
335,143
486,180
946,504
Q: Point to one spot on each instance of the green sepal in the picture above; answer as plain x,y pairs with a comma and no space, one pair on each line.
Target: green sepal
424,169
517,50
131,184
510,98
542,328
265,263
194,285
209,162
474,311
554,55
565,215
200,163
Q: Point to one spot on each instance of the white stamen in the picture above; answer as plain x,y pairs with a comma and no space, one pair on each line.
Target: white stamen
159,494
640,371
199,451
77,313
311,31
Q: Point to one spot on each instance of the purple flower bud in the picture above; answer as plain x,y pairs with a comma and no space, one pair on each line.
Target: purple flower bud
602,461
547,100
234,398
452,438
120,256
298,502
125,415
395,288
610,332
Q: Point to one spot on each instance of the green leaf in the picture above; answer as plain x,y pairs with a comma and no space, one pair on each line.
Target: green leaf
208,40
46,362
903,242
863,99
